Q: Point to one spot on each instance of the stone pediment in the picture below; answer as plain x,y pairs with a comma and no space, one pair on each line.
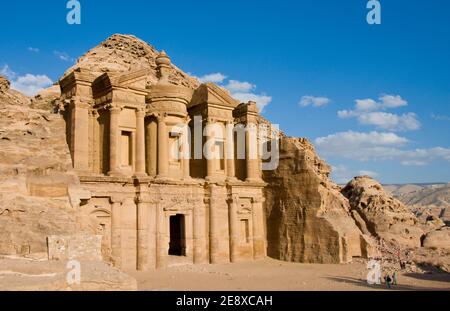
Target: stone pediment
77,76
134,79
212,94
107,82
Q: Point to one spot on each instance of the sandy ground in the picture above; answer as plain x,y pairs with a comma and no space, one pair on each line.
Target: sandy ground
268,275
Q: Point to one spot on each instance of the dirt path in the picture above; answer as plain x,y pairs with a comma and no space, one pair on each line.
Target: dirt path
270,274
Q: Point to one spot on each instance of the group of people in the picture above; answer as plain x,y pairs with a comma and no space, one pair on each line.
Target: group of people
390,280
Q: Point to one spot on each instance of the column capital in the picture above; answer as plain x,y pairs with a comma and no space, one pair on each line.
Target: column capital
78,103
233,198
116,199
144,198
114,108
140,112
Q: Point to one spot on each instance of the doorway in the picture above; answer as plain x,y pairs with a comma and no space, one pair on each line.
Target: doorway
177,246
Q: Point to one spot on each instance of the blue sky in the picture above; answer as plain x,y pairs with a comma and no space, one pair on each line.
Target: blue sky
310,60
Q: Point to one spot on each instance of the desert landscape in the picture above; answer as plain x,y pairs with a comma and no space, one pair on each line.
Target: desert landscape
290,228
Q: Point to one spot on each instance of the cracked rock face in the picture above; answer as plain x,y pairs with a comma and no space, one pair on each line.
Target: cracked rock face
380,214
35,173
308,219
4,84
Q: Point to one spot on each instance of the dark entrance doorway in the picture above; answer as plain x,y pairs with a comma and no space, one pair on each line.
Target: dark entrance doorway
177,246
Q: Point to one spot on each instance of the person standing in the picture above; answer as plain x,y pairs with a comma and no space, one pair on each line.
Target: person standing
394,278
388,280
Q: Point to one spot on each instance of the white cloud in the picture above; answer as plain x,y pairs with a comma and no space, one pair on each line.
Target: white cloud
244,92
314,101
390,121
376,146
414,163
261,100
64,56
371,112
31,84
235,86
241,90
363,105
34,50
341,174
7,72
212,77
391,101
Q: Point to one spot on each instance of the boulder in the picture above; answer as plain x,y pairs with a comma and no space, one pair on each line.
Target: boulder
4,84
380,214
439,239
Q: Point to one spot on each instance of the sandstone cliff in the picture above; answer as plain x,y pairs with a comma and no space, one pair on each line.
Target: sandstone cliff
35,176
308,219
381,215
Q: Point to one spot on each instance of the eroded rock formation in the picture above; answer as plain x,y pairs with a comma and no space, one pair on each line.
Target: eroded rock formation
308,219
381,215
439,239
35,175
126,53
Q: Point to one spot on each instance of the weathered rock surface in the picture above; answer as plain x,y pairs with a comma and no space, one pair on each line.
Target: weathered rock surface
30,275
308,219
124,53
380,214
4,84
35,173
438,239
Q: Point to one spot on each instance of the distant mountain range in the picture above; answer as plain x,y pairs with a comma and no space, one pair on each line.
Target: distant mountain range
421,194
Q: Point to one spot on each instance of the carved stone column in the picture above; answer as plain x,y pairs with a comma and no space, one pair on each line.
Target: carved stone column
234,227
114,135
95,133
259,241
252,157
186,153
219,243
152,148
152,233
229,153
143,217
116,234
163,148
200,238
210,167
140,143
162,237
80,135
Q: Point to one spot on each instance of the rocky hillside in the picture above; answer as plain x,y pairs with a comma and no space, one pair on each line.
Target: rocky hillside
436,195
308,219
381,215
122,53
37,187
